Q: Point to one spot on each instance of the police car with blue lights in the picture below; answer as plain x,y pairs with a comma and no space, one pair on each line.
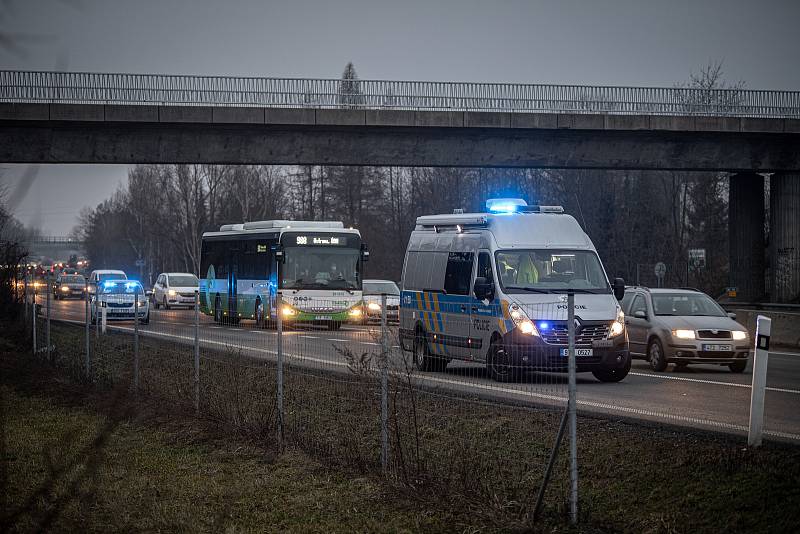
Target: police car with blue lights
119,297
492,287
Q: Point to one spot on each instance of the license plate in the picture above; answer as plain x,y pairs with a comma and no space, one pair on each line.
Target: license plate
716,347
578,352
323,318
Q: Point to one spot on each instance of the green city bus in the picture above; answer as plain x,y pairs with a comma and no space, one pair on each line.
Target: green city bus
316,265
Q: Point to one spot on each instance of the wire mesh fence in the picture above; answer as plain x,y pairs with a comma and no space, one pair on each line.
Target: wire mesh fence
468,404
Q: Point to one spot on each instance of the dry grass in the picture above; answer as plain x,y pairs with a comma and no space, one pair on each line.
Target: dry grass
477,463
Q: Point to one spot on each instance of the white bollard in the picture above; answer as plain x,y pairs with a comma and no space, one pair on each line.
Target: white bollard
760,360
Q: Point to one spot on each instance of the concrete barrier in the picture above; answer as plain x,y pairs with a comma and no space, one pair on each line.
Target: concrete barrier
785,326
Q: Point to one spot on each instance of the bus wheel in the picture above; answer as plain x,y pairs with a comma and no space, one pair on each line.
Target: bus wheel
260,322
217,310
498,363
334,325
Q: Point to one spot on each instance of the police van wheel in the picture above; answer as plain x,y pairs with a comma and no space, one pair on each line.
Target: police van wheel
423,360
498,365
612,374
737,366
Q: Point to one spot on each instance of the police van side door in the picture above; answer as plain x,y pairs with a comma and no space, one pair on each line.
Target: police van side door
482,314
457,299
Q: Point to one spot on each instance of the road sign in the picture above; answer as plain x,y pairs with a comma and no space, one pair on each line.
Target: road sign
697,258
140,263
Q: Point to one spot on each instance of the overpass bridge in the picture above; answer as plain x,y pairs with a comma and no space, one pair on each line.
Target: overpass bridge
63,117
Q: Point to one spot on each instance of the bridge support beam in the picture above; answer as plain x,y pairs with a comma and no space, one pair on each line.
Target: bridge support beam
784,242
746,235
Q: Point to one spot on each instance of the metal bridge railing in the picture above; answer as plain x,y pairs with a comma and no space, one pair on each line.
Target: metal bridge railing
158,89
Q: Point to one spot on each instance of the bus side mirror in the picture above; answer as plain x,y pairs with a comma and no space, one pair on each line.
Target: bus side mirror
279,254
482,288
364,252
619,288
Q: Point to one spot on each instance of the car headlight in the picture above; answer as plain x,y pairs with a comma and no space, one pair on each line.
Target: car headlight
171,292
354,312
64,288
618,326
739,335
288,311
522,321
683,334
374,306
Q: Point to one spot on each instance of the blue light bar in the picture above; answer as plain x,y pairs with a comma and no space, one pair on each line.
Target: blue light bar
544,325
505,205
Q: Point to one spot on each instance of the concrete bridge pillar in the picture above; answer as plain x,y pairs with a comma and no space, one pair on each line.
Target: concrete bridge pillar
784,237
746,234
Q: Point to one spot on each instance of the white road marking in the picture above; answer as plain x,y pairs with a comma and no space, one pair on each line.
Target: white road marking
797,354
713,382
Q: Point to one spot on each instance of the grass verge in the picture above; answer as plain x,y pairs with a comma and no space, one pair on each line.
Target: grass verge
457,463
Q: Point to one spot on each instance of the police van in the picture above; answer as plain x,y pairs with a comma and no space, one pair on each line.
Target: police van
492,287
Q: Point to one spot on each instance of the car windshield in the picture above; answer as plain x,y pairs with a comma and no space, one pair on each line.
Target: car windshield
551,271
379,288
102,277
117,287
183,280
686,304
72,279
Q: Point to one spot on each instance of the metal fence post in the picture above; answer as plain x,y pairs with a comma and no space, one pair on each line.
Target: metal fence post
197,352
384,387
279,313
573,423
33,314
135,340
88,361
47,324
760,360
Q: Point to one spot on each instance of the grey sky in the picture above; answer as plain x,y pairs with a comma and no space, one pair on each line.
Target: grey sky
624,42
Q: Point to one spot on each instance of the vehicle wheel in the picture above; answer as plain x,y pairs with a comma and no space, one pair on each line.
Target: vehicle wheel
680,366
423,360
259,313
334,325
498,365
612,375
156,305
217,311
737,366
656,356
166,306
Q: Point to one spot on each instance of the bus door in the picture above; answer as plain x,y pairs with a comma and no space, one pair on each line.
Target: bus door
233,278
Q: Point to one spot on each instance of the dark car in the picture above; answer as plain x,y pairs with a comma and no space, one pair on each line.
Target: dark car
69,286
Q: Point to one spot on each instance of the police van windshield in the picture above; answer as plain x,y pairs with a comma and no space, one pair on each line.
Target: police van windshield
551,271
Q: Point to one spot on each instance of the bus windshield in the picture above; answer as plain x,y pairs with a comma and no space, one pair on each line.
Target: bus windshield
310,264
551,271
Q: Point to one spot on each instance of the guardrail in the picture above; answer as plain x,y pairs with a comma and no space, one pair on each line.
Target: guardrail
191,90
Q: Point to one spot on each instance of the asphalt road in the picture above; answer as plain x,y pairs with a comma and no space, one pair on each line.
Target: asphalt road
702,396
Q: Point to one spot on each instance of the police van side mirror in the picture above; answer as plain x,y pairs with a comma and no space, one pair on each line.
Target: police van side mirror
364,252
483,290
619,288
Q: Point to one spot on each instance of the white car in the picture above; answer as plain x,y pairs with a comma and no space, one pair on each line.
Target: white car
119,299
372,291
101,275
175,289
